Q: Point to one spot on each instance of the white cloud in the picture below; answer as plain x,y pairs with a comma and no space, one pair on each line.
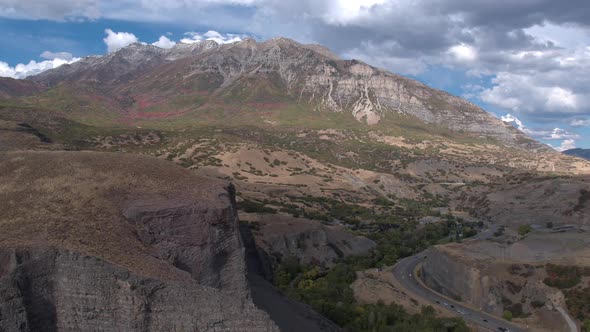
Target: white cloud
566,145
580,122
569,36
511,118
463,52
559,133
32,68
118,40
554,134
529,93
57,55
164,42
346,11
195,37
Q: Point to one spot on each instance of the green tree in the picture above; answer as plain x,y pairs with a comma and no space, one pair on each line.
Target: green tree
507,315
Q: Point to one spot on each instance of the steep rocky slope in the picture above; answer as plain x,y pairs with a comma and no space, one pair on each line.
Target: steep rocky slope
309,241
507,274
276,71
99,241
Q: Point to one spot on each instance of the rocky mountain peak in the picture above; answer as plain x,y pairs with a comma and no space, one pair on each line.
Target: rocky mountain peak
305,74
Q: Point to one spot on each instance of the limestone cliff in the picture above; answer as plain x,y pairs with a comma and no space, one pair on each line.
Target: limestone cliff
50,289
111,242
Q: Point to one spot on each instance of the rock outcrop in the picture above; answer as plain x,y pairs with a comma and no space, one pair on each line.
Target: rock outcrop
50,289
492,285
309,241
97,241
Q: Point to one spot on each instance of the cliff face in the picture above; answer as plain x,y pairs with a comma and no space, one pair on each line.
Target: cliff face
112,242
280,236
211,252
456,279
491,285
49,289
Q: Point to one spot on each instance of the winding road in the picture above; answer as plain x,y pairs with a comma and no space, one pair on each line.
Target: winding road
404,272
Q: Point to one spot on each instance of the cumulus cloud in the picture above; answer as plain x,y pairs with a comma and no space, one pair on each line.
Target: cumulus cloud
529,94
509,118
554,134
566,145
33,67
118,40
195,37
463,53
164,42
558,134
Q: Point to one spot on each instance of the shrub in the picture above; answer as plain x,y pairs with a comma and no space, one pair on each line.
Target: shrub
578,302
254,207
500,231
524,229
507,315
562,276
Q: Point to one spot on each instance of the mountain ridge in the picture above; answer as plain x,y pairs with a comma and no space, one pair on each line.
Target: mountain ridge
281,69
578,152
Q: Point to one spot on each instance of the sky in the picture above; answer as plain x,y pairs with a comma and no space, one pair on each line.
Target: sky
525,61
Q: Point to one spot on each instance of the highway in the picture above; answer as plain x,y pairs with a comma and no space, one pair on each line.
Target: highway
403,272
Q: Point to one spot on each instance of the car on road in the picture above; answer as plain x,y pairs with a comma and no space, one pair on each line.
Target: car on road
503,329
452,306
485,320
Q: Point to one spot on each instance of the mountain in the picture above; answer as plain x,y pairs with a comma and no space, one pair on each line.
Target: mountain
10,87
579,152
275,73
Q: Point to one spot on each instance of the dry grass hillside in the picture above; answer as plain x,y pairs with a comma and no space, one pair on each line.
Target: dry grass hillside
76,201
